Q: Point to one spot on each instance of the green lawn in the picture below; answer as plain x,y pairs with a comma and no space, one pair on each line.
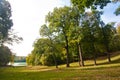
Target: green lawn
103,71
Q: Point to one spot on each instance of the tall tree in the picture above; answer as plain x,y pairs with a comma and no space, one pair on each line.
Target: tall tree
75,33
48,33
108,31
5,20
61,21
91,32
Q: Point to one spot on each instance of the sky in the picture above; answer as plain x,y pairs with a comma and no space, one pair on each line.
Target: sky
29,15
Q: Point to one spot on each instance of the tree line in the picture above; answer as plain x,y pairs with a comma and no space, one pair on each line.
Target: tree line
71,33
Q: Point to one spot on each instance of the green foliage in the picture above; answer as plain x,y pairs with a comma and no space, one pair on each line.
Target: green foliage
118,28
64,22
71,33
30,59
82,4
108,32
45,53
115,43
5,21
5,55
117,12
91,34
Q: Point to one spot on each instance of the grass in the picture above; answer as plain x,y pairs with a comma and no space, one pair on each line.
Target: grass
103,71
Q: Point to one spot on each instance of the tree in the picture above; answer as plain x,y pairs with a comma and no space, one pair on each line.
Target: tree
47,32
91,33
108,31
62,21
118,28
75,34
82,4
59,20
45,53
115,43
5,20
117,12
5,55
30,59
94,4
6,33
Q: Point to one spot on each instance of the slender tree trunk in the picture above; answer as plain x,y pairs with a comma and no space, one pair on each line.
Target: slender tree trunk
94,52
109,58
54,57
55,60
106,45
108,54
67,52
67,48
95,60
81,62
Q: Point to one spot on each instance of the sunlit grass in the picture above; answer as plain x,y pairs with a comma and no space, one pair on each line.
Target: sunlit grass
103,71
100,62
89,73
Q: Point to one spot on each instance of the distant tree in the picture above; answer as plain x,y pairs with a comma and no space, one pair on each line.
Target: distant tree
40,48
45,53
48,33
118,28
115,43
5,55
12,59
30,59
117,12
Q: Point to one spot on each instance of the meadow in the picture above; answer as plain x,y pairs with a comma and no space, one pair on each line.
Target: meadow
103,71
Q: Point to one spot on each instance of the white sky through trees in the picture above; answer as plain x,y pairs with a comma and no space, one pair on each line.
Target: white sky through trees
29,15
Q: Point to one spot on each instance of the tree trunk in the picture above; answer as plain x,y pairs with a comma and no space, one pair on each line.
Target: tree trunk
94,52
67,48
81,62
108,55
54,57
95,60
67,52
55,60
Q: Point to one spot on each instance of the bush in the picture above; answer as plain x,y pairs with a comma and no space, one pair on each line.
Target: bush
5,55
